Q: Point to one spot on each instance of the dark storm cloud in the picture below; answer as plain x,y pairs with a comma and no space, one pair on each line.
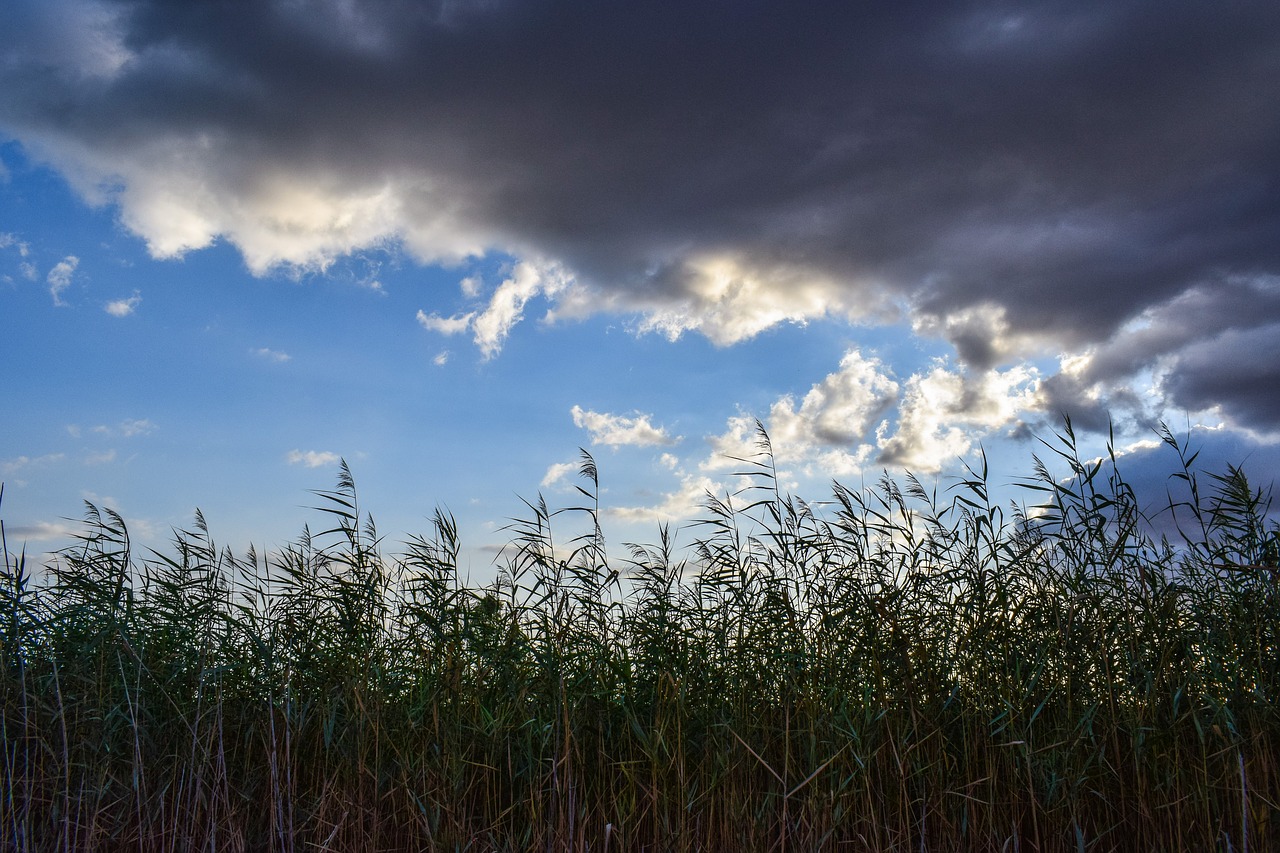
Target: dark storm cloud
1072,164
1239,370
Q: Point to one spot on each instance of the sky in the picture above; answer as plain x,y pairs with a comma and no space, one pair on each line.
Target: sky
454,241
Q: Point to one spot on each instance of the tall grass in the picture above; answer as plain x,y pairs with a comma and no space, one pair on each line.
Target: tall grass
896,669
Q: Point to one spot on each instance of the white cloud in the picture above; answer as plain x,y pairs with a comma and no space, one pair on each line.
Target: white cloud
491,326
861,415
943,413
182,190
441,359
271,355
832,430
139,426
28,271
455,325
127,428
730,297
123,307
682,503
842,408
103,457
312,458
19,463
557,472
506,306
41,531
368,279
8,240
620,430
59,277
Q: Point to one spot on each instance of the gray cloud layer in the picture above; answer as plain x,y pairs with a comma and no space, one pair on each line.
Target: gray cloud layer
1067,168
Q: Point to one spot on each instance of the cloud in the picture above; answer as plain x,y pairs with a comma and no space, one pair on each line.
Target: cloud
1231,372
102,457
682,503
506,306
557,472
833,429
620,430
59,278
843,408
441,359
730,298
862,415
491,326
137,426
1208,346
981,334
455,325
12,466
1018,181
41,531
128,428
8,241
271,355
312,458
944,413
77,40
123,307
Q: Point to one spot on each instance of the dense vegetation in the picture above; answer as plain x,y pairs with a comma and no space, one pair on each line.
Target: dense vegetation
896,669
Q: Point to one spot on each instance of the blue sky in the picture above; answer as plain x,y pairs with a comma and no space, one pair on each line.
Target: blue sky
454,242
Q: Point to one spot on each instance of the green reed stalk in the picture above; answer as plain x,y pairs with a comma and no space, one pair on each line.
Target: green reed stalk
896,668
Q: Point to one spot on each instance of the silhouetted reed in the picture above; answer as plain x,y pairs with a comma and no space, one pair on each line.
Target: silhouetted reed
896,669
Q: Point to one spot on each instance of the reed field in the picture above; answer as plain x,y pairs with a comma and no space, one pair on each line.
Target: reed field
896,668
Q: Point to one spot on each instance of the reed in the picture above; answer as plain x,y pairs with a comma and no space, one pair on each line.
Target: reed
893,669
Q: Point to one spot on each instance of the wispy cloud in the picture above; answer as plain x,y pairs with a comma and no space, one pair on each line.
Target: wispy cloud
12,241
127,428
41,531
312,458
59,278
271,355
123,307
20,463
621,430
441,359
137,426
101,457
454,325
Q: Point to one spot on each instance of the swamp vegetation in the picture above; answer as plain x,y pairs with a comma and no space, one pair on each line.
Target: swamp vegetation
896,668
